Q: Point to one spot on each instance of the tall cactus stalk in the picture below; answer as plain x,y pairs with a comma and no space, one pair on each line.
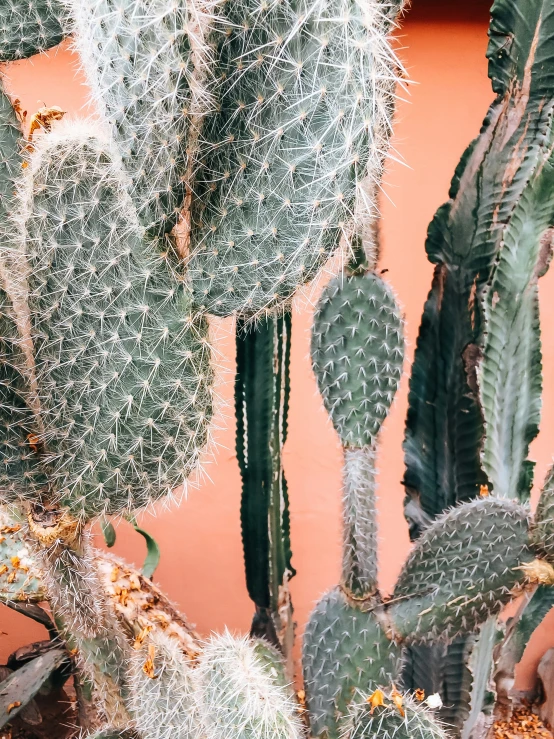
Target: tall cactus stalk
262,387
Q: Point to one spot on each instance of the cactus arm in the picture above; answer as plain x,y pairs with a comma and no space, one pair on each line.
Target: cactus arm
261,408
542,530
510,374
28,28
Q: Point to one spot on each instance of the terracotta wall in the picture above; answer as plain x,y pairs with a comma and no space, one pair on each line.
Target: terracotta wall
443,46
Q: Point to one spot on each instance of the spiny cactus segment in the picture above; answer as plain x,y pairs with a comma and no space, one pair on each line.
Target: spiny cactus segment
162,690
357,354
542,531
122,361
391,715
28,27
239,693
462,570
345,648
301,88
147,64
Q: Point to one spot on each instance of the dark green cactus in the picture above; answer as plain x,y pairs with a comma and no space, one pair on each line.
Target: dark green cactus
261,410
29,27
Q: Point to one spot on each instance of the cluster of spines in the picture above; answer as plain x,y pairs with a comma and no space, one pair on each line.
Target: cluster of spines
122,359
28,27
301,90
357,354
148,66
542,530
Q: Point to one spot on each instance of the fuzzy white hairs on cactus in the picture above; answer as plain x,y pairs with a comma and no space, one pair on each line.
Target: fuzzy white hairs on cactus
306,96
123,360
242,694
148,64
162,690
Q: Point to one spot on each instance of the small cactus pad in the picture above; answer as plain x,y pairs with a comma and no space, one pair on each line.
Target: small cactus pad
542,530
357,354
28,27
162,686
304,92
345,649
123,362
462,570
240,694
145,61
391,715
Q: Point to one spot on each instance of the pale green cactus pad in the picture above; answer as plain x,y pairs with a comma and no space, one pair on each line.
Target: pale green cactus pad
357,354
28,27
19,575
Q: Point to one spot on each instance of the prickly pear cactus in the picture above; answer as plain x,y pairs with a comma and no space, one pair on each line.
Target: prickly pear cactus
146,62
29,27
391,715
19,575
345,649
122,361
462,570
302,91
357,354
240,695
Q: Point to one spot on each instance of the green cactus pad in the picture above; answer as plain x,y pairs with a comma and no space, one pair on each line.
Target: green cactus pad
542,529
123,363
304,93
28,27
241,693
344,649
357,354
461,571
144,61
410,720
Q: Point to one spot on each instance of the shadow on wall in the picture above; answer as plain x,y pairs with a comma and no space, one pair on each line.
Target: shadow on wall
443,46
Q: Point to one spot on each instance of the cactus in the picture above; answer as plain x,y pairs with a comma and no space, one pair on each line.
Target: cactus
241,692
304,94
122,361
261,409
162,695
391,716
29,27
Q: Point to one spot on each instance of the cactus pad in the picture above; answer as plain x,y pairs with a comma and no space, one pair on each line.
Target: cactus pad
123,364
19,573
404,719
357,354
240,695
345,649
462,570
302,89
28,27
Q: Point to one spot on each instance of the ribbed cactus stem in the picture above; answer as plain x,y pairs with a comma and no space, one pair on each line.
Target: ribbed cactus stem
359,558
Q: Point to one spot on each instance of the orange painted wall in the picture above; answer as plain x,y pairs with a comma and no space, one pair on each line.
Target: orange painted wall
443,46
